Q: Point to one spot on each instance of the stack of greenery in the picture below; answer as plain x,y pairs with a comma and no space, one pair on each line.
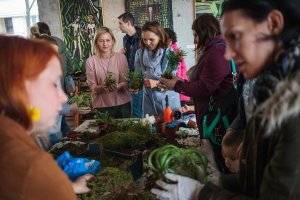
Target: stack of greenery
136,79
82,100
186,162
114,184
110,79
174,58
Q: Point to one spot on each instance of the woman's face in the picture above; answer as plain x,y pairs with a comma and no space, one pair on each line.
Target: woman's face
45,93
105,43
150,39
246,43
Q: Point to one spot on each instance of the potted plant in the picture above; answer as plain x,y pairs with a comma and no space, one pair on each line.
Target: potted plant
110,79
190,162
82,100
174,58
135,79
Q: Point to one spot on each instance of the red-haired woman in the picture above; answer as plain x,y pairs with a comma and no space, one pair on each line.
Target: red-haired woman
30,99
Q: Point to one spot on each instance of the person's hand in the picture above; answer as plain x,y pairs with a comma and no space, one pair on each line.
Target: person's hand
168,84
81,110
123,50
134,91
112,87
100,89
185,188
185,109
80,186
150,83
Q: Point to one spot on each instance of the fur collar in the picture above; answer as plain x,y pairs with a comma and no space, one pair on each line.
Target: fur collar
283,105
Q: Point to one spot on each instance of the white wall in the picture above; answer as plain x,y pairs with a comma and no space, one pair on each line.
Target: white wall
183,16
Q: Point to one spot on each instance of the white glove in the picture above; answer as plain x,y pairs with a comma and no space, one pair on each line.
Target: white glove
185,188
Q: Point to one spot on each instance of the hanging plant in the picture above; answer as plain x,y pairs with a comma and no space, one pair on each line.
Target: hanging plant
174,58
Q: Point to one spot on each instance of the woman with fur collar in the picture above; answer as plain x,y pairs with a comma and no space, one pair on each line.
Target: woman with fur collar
263,38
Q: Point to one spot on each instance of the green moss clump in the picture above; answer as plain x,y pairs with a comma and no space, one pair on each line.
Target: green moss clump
125,140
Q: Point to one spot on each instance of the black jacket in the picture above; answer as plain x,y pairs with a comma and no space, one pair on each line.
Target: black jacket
132,44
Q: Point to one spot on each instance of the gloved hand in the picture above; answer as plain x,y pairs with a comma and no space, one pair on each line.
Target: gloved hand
185,188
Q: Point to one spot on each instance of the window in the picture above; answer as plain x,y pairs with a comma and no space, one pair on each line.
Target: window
9,25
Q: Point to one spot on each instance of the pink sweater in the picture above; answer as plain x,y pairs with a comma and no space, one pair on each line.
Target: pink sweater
96,69
181,73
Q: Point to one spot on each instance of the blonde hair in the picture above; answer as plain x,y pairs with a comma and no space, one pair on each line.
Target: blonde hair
99,32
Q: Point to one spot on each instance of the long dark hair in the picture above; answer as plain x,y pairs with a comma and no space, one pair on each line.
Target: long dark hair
206,27
258,11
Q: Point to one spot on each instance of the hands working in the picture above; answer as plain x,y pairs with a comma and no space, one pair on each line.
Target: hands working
80,184
101,88
186,108
81,110
168,84
185,188
150,83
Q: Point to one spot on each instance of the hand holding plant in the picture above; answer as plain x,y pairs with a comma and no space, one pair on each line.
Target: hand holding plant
174,58
110,81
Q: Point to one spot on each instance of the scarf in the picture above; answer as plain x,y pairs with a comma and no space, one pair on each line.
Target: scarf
153,63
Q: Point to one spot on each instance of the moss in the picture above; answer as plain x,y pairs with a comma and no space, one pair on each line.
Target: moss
114,184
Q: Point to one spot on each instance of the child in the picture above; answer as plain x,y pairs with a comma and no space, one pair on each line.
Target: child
231,147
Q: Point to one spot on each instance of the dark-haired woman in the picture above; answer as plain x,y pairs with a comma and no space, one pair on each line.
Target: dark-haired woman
264,39
211,79
151,59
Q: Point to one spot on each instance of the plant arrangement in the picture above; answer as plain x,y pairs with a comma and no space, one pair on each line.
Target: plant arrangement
188,162
114,184
174,58
136,79
82,100
110,79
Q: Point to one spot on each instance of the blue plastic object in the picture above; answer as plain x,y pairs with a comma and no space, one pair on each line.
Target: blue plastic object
76,167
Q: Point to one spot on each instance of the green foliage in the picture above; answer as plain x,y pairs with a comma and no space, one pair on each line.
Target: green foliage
174,58
114,184
82,100
103,118
109,184
110,79
136,79
186,162
78,65
125,140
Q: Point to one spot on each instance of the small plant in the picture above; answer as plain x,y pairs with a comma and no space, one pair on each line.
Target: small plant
110,79
103,118
136,79
174,58
186,162
82,100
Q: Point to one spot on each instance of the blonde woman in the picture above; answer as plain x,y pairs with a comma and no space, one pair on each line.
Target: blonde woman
113,98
